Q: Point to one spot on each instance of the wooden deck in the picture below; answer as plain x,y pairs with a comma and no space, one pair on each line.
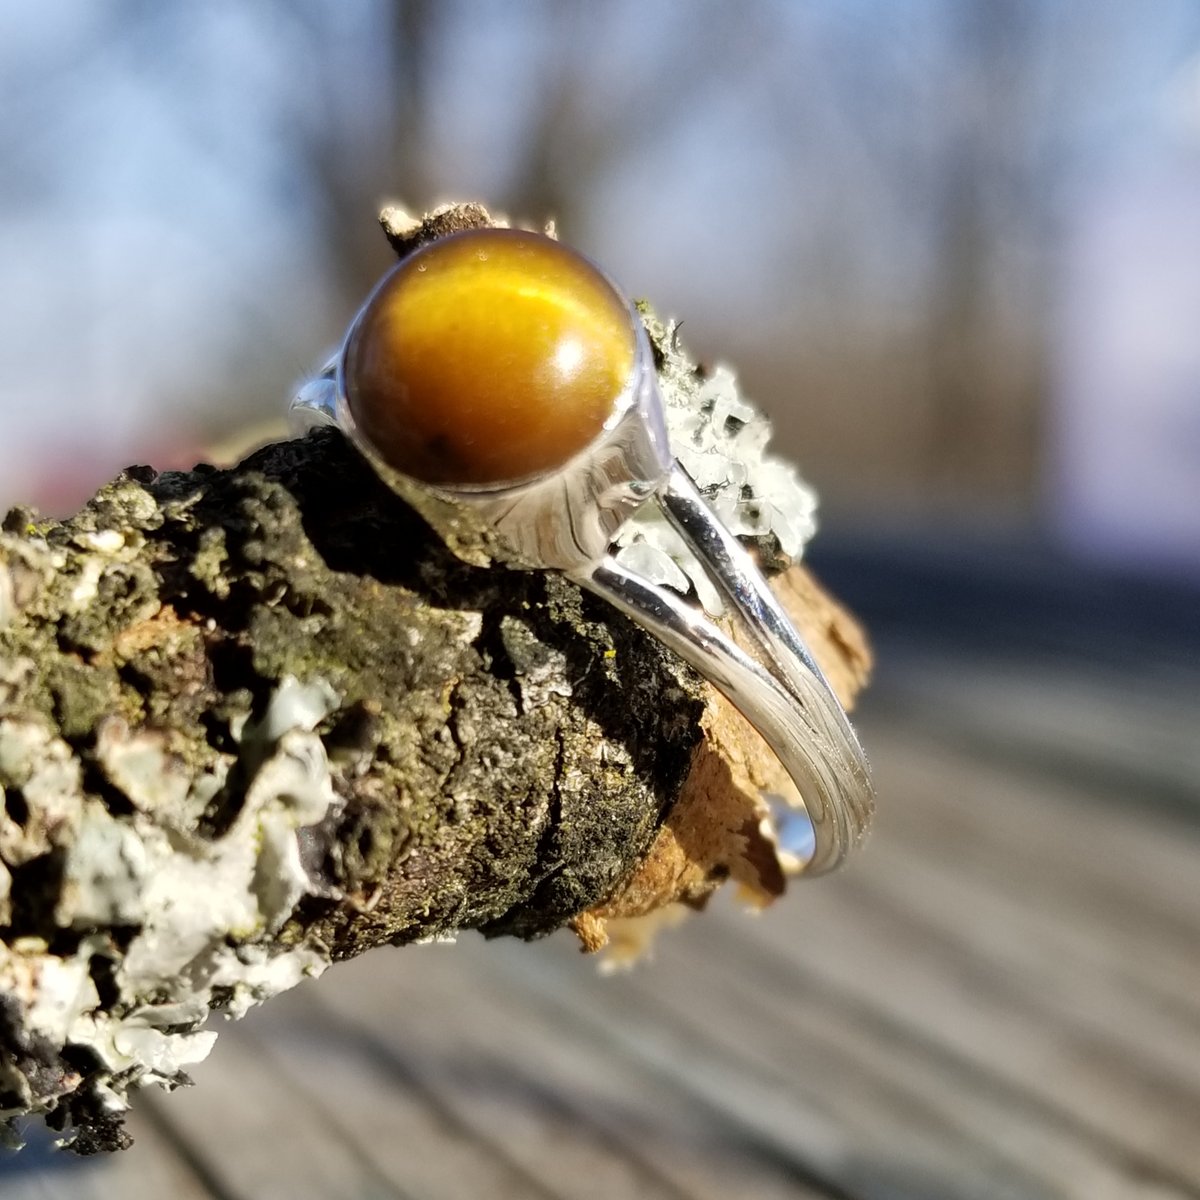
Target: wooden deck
1000,999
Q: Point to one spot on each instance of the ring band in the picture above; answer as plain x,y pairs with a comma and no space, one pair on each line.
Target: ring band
564,515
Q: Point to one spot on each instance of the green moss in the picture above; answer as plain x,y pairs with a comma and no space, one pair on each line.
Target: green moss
81,695
207,564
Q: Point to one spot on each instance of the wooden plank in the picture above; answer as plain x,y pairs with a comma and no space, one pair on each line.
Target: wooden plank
254,1138
1108,729
1001,974
1031,655
1078,1062
584,1120
376,1104
501,1100
1056,881
1070,953
878,1113
1117,862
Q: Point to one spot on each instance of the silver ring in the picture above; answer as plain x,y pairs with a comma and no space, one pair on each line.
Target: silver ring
565,516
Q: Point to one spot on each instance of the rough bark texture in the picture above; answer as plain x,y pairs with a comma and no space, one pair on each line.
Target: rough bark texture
500,751
256,720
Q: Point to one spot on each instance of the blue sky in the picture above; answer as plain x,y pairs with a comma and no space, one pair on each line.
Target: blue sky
160,239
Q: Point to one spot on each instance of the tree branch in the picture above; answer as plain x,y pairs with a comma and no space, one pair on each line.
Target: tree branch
253,721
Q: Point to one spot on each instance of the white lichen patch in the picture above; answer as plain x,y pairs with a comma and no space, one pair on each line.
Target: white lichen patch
27,565
8,596
157,1054
105,541
105,874
296,705
541,681
15,673
200,896
140,765
87,585
721,441
59,989
204,908
194,897
103,549
292,789
251,975
48,775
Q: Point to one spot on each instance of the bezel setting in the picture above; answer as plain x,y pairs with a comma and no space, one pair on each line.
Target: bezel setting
567,518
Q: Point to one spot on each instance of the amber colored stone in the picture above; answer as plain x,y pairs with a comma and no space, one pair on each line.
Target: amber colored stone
488,357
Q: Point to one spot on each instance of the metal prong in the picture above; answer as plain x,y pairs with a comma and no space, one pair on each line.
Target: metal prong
315,401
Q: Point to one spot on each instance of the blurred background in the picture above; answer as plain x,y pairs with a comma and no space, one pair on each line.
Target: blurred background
952,247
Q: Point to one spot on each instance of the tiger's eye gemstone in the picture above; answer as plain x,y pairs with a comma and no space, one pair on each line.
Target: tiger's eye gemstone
488,357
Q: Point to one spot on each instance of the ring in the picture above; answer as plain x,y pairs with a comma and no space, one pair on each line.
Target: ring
504,387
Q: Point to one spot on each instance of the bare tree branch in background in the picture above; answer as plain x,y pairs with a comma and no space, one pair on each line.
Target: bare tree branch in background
907,163
986,321
591,110
356,155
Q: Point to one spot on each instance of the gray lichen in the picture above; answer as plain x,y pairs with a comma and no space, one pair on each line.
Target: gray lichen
158,916
722,441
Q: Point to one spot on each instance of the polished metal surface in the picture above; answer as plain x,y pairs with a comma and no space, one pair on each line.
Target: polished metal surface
563,519
567,519
781,691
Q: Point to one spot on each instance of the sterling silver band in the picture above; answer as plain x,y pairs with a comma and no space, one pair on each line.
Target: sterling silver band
783,694
567,521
